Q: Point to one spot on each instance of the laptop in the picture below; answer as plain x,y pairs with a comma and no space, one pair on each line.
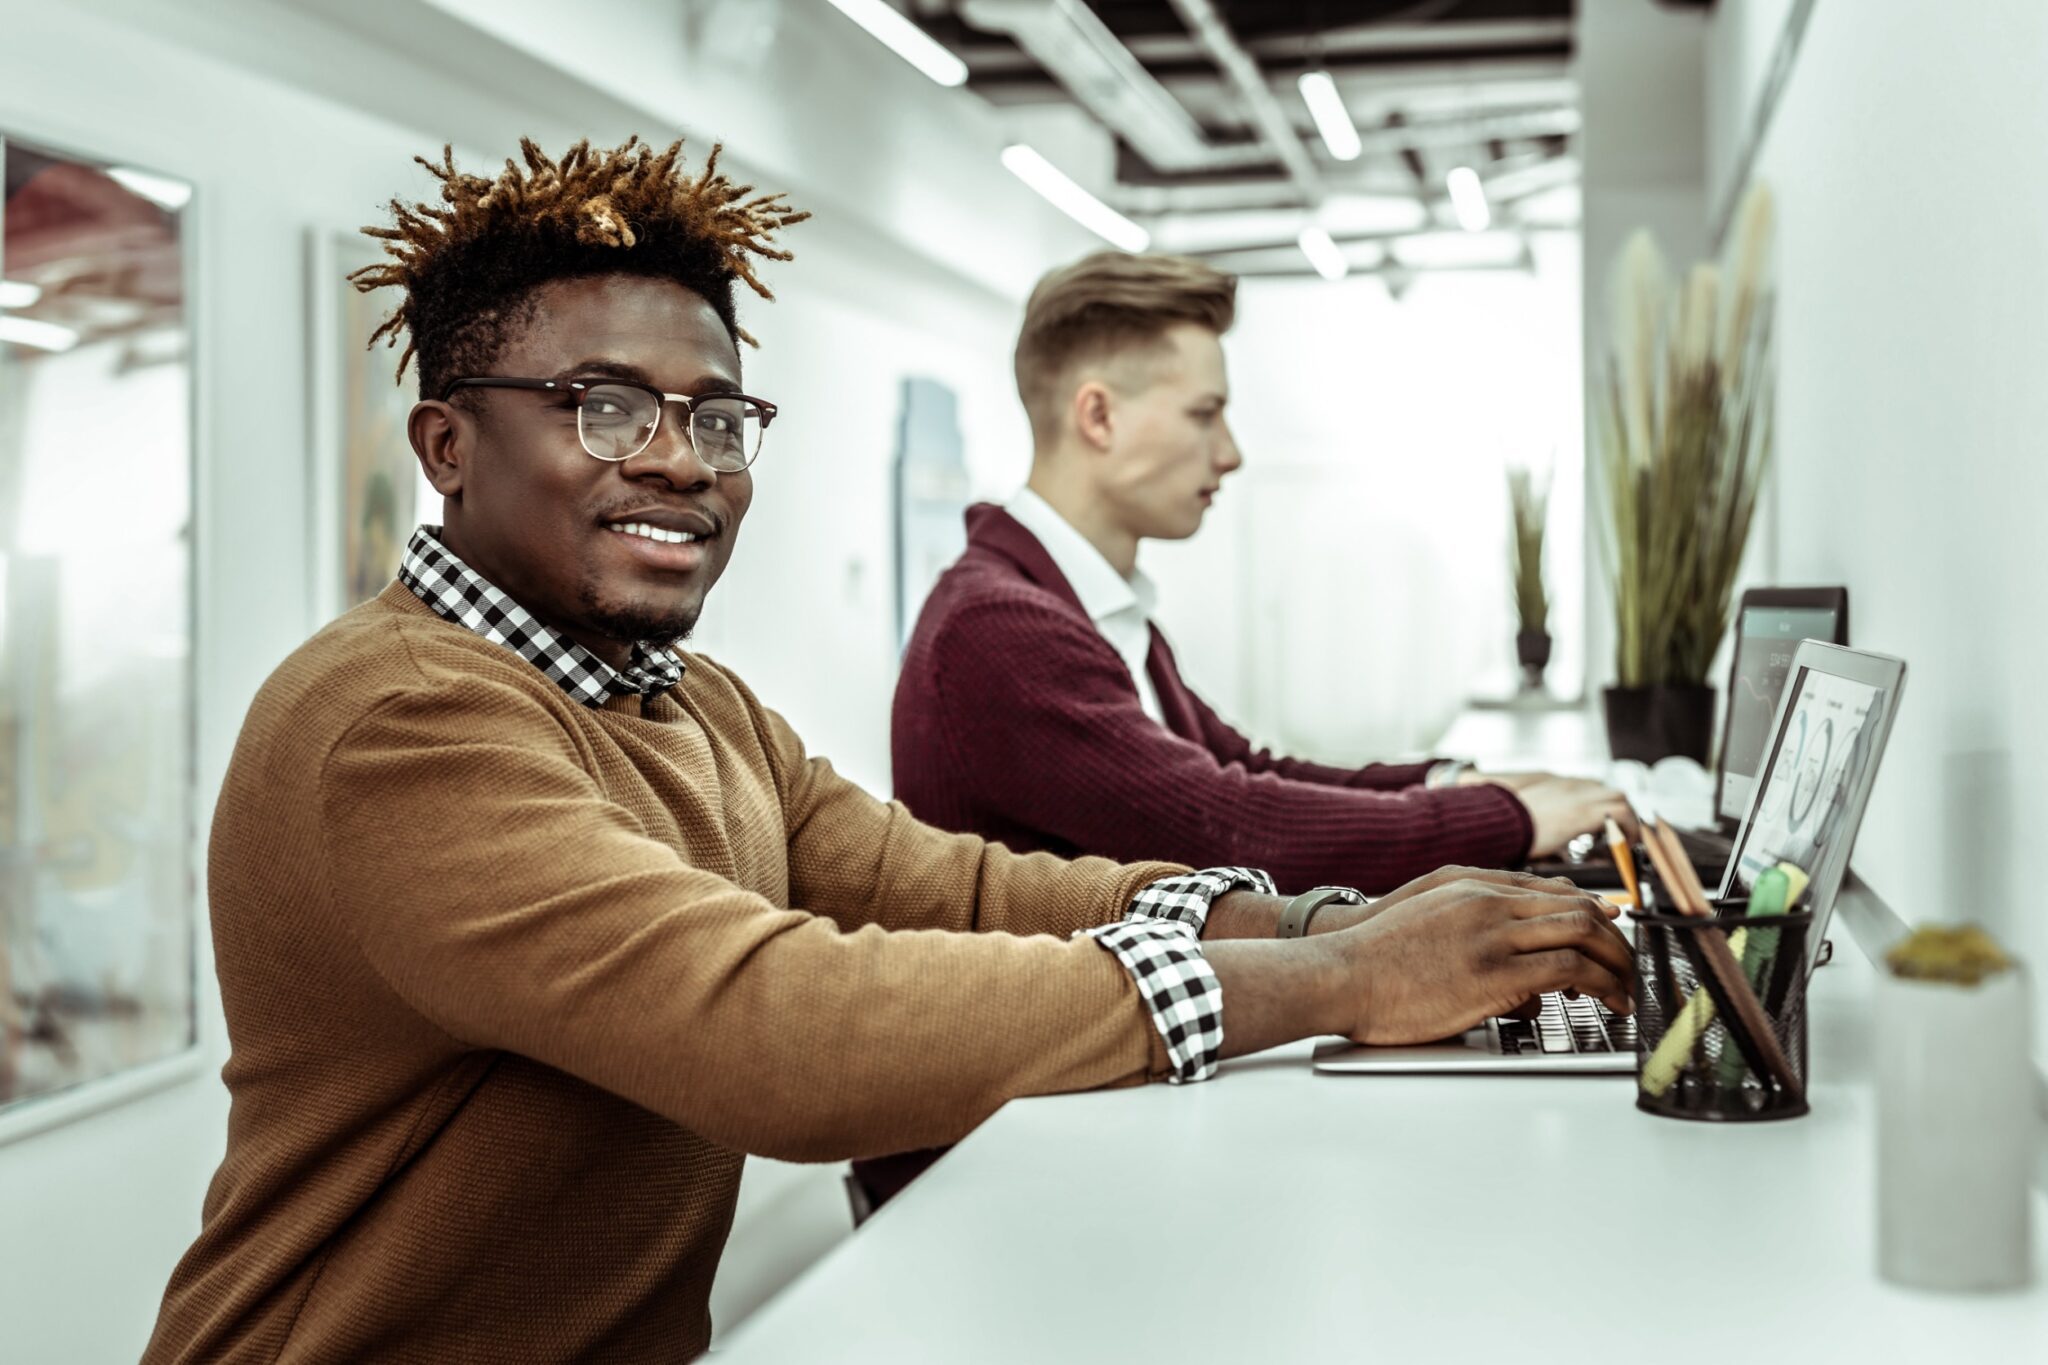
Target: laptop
1770,622
1820,757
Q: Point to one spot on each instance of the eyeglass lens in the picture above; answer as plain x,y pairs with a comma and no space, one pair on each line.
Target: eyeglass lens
616,422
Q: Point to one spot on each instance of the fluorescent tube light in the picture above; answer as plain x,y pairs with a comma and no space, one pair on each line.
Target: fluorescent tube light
1322,253
160,190
888,26
1027,165
44,336
1333,120
1468,198
19,294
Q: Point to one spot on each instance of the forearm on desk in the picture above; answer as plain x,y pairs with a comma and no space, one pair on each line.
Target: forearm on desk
1243,914
1277,992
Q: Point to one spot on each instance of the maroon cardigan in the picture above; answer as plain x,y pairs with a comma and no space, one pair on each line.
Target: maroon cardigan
1015,720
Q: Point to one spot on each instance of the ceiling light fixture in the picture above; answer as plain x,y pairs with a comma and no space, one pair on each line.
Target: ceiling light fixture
44,336
1322,253
1333,120
19,294
889,27
1025,162
1468,199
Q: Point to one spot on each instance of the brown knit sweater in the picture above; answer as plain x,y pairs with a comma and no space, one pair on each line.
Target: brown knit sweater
513,983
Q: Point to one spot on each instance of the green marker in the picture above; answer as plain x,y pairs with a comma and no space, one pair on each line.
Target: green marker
1775,890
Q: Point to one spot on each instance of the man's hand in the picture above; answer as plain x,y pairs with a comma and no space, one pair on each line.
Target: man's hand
1337,916
1474,946
1514,782
1563,808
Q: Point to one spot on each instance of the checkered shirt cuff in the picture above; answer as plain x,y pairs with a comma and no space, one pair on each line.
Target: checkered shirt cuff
1159,943
1164,958
1186,899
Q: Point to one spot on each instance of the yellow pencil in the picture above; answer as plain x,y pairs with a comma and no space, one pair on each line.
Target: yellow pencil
1624,861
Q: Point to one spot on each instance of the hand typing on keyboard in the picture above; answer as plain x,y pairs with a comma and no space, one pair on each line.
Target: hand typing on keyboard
1565,808
1448,951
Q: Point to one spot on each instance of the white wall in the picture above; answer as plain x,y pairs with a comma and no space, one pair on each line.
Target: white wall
1349,593
1643,146
285,123
1911,413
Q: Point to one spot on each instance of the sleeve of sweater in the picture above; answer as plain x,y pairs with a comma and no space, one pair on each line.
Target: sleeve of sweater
862,861
1229,746
1040,723
507,901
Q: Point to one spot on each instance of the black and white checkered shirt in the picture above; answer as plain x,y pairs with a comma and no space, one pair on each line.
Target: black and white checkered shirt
458,593
1160,944
1158,941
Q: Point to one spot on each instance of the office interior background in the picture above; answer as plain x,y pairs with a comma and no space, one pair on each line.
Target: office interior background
1348,596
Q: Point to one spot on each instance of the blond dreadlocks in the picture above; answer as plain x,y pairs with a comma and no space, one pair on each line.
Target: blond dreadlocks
469,266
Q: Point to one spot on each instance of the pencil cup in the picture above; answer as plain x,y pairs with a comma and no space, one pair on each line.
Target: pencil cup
1721,1014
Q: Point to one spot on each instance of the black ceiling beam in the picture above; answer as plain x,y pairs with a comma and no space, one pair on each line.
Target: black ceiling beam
1377,64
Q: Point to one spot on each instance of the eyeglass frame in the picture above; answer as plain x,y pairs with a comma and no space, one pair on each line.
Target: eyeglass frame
580,390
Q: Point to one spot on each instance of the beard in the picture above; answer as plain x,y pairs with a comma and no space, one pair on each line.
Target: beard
634,624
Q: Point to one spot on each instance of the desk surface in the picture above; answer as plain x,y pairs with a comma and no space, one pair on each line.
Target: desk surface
1570,741
1276,1215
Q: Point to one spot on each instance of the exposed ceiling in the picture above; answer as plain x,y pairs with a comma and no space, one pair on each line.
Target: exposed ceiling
88,259
1215,149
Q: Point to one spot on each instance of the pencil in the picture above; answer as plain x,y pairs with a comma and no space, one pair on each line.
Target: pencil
1624,861
1666,859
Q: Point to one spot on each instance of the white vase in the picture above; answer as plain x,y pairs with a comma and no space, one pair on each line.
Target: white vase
1955,1133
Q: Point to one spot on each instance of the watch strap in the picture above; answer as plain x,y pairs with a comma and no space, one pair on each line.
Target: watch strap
1294,920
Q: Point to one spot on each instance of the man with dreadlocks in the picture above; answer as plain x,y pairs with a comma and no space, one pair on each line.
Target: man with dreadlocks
528,924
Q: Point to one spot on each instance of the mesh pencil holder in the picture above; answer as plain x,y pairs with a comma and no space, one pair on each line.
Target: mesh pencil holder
1707,1048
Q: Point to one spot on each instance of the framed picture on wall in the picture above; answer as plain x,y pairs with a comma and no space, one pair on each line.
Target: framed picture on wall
368,492
97,846
931,494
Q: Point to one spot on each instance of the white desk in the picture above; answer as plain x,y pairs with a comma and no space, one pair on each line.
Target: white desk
1503,740
1275,1215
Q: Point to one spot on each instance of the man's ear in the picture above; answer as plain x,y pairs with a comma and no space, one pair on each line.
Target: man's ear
440,435
1093,410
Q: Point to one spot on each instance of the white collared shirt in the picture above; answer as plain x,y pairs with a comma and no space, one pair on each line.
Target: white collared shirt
1120,607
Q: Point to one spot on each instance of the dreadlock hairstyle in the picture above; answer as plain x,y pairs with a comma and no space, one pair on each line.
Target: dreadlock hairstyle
470,265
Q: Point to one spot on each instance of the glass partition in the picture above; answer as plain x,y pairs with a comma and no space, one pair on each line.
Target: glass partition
96,884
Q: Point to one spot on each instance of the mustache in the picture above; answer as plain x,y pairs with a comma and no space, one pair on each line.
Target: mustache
618,508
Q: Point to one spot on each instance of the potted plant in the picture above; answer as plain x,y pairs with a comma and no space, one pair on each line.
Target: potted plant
1684,427
1529,506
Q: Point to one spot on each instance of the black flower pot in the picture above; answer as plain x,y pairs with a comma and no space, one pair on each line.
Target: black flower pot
1532,650
1649,723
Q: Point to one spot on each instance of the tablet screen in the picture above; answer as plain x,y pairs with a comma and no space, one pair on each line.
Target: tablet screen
1815,787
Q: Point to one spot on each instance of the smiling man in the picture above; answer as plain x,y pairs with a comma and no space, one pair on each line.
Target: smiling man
529,924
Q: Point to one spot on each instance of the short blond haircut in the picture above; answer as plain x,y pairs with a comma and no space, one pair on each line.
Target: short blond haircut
1102,306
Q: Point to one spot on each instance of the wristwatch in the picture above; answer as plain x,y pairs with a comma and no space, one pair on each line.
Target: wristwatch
1446,773
1294,919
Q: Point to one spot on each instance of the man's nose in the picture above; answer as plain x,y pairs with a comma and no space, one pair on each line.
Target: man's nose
672,454
1230,457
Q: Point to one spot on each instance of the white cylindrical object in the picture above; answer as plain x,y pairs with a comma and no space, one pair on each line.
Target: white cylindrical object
1955,1133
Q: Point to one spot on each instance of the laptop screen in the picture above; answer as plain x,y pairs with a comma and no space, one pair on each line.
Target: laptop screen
1826,742
1820,764
1764,646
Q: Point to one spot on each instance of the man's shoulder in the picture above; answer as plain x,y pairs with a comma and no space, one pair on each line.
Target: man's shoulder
378,653
985,588
983,614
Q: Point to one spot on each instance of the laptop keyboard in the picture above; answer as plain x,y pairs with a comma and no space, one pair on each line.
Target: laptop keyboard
1565,1025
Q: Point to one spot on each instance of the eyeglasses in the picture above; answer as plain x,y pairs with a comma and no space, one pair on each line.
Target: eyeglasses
616,418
